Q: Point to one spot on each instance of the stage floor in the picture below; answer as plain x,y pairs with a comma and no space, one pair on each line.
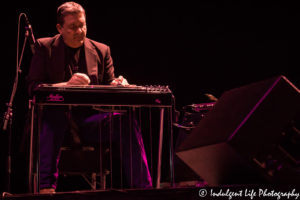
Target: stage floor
234,192
111,194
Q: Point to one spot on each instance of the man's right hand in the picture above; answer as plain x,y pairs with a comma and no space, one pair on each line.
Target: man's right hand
76,79
79,79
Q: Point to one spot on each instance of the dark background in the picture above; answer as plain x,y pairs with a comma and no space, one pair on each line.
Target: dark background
196,49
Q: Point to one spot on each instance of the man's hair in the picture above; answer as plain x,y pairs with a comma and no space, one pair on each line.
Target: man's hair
68,8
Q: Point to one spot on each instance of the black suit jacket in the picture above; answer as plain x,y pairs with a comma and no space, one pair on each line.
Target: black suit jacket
48,63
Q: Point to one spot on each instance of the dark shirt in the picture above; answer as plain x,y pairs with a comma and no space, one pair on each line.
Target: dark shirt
75,61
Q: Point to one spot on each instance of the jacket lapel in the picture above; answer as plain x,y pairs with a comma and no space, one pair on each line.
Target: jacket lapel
91,58
57,60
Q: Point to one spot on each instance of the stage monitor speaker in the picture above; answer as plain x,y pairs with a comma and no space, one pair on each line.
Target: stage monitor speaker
238,142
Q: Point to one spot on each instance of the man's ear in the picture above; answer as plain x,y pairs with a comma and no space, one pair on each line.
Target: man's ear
59,27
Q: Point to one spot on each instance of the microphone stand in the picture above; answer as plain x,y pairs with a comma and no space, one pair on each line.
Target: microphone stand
8,116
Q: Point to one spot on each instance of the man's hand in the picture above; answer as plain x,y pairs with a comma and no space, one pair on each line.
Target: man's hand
79,79
76,79
120,81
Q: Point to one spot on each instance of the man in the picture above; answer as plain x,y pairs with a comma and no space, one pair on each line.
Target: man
66,59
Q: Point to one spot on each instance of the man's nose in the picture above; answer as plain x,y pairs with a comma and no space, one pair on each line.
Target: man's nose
79,30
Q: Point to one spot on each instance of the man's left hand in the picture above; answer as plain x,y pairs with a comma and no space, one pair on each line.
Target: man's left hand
120,81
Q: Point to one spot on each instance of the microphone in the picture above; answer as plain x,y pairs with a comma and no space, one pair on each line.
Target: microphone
29,35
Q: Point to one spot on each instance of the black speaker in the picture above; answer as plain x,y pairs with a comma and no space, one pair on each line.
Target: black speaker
238,142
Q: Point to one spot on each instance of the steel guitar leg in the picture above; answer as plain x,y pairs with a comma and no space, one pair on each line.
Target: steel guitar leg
130,147
38,158
160,142
121,151
171,146
30,168
110,149
33,179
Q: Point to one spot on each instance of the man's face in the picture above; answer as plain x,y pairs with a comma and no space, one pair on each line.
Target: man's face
73,30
